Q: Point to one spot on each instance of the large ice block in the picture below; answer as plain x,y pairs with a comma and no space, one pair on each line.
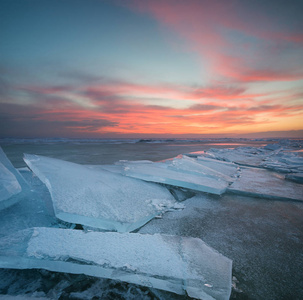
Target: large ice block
11,183
266,184
183,172
99,198
172,263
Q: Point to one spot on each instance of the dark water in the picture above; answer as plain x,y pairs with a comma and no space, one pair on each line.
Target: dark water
85,152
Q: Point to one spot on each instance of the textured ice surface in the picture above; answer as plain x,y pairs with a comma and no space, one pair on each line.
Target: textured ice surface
11,183
183,172
171,263
21,297
99,198
34,210
249,156
266,184
285,162
273,157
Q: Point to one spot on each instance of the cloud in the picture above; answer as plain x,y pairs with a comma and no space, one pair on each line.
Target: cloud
120,107
240,41
25,121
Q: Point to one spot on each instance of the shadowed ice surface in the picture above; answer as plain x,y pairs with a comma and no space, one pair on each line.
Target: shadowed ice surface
13,187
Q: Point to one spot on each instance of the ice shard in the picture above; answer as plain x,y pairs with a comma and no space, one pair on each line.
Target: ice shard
11,183
182,172
99,198
177,264
266,184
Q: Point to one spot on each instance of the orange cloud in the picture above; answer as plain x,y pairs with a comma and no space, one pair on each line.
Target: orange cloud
117,108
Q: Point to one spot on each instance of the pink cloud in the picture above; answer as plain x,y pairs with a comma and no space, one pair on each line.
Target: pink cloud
235,39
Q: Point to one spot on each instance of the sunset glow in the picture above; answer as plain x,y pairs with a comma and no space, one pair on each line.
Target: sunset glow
151,68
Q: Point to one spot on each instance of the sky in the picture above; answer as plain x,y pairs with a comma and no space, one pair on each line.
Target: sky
114,69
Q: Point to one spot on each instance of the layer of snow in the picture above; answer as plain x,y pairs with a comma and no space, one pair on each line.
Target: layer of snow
170,263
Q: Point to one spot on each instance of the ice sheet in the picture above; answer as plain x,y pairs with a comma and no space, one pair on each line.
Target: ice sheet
99,198
182,172
11,183
171,263
266,184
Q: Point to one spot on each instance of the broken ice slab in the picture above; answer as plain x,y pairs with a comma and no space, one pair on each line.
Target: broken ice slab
229,169
248,156
207,167
280,160
11,183
171,263
284,162
98,198
262,183
34,210
185,173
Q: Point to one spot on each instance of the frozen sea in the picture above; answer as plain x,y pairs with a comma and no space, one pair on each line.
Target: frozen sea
263,237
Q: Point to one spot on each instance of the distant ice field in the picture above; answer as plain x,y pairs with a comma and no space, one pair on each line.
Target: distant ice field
92,152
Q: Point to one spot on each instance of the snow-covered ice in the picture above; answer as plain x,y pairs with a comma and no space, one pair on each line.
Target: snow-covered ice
11,183
172,263
184,172
99,198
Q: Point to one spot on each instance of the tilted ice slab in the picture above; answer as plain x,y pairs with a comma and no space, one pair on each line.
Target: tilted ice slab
266,184
99,198
171,263
182,171
228,169
11,182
